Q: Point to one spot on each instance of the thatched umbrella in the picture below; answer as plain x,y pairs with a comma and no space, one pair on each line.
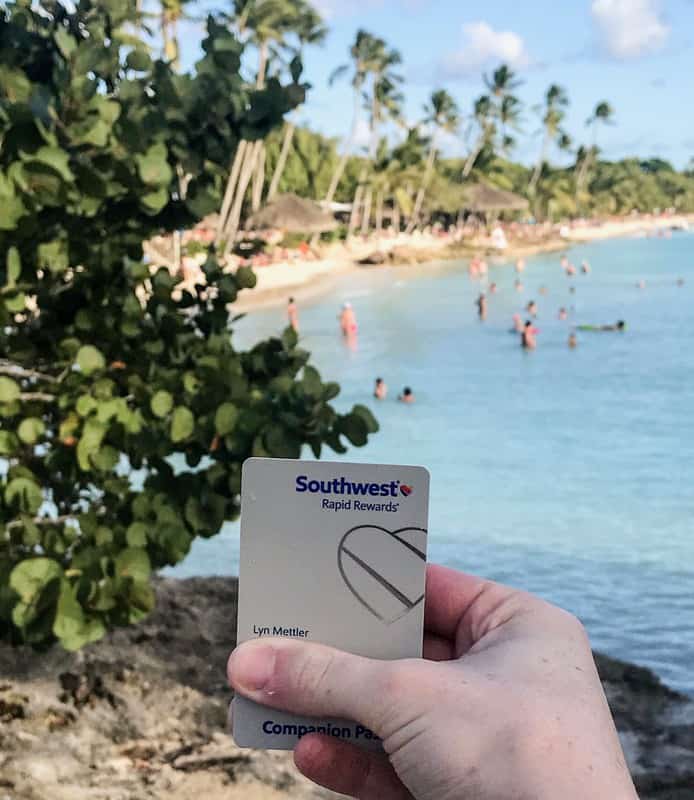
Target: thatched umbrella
482,198
288,212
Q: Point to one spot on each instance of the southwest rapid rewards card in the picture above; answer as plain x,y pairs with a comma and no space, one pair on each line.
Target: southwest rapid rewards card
334,553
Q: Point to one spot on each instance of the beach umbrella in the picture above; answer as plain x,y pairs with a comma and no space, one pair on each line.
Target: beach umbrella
288,212
483,198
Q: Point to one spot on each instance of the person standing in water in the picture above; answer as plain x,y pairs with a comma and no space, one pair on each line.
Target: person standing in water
562,313
348,321
518,326
481,304
406,396
520,265
528,340
531,308
293,314
380,390
573,341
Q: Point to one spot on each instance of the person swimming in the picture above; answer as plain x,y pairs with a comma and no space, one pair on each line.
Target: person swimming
517,324
528,340
406,396
562,313
573,341
531,308
493,288
380,389
585,267
520,265
519,286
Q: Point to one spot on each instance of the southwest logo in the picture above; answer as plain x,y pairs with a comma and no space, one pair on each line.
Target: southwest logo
405,490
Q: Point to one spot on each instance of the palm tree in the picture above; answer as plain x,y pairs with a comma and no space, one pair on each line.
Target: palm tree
309,29
602,115
172,12
502,82
443,115
509,115
365,53
553,113
483,119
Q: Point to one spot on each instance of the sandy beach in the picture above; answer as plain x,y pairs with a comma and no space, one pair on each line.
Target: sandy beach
307,279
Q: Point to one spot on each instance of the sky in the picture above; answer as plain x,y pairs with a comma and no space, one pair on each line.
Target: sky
636,54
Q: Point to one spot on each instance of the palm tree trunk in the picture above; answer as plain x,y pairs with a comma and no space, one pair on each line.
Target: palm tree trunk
244,179
395,221
349,144
366,216
262,66
354,215
229,191
289,129
532,186
414,219
258,179
379,213
472,158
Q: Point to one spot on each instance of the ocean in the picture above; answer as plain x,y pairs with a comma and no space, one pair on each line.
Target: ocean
569,473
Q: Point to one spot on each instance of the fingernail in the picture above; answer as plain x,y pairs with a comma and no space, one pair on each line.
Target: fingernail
251,666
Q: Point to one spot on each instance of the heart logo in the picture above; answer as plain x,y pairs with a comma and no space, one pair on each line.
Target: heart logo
405,490
384,569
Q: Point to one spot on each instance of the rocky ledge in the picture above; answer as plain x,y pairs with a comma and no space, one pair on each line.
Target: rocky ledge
142,715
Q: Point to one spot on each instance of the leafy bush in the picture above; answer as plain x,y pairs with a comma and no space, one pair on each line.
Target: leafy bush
125,409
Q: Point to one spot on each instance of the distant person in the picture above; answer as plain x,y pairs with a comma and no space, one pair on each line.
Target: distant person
406,396
571,270
573,341
680,281
518,326
380,390
528,336
641,284
474,268
572,290
483,267
542,290
348,321
519,286
585,267
562,313
481,304
293,314
520,265
493,288
564,261
531,308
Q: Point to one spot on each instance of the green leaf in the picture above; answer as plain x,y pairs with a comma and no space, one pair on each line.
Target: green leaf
312,382
138,60
133,562
8,443
56,158
182,424
355,429
16,303
89,359
367,417
24,494
136,535
191,383
85,405
225,418
66,43
14,267
53,256
71,626
153,202
105,459
90,442
153,166
30,576
161,403
245,278
9,390
31,430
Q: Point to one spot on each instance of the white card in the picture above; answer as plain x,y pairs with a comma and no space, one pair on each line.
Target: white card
334,553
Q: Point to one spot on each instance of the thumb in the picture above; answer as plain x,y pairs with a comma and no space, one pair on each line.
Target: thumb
314,680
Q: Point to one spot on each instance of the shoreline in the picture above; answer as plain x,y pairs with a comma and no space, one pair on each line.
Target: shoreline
306,280
141,715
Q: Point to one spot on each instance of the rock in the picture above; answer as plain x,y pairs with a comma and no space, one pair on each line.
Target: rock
376,258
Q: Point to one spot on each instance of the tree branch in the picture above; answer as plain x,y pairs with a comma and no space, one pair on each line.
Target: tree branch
17,371
39,521
41,397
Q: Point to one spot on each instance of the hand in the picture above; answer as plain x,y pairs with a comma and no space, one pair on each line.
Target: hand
507,705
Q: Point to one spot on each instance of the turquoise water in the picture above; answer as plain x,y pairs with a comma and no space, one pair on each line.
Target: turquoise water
567,473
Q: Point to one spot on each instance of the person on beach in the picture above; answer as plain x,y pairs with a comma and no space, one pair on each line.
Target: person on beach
562,313
293,314
528,340
520,265
380,390
506,702
348,321
481,304
573,341
531,308
406,396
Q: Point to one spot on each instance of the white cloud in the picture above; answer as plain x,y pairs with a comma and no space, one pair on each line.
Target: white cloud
630,28
482,46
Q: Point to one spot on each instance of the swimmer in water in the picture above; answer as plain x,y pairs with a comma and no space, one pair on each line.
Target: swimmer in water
380,390
542,290
562,313
573,341
517,324
641,285
348,321
293,314
481,304
406,396
528,340
571,270
564,263
519,286
492,288
520,265
531,308
585,267
620,325
680,281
